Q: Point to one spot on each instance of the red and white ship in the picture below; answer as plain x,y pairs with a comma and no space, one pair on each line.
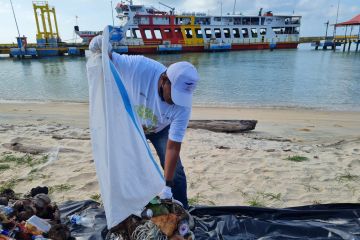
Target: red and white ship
148,30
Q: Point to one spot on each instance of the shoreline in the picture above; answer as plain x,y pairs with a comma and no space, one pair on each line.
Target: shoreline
293,123
201,105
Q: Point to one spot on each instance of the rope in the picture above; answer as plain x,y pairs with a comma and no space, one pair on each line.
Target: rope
148,231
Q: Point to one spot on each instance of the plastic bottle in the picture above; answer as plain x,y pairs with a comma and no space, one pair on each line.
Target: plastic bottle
7,233
183,228
6,210
147,214
39,237
37,225
83,221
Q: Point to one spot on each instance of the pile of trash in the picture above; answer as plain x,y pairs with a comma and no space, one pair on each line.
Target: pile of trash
35,217
31,217
160,219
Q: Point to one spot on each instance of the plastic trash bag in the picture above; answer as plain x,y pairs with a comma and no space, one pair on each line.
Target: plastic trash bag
128,175
328,221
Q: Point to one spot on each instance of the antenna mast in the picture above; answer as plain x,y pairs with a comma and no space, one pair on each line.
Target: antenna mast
172,9
112,11
15,18
234,7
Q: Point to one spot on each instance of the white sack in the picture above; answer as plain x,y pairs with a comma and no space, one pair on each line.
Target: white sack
128,175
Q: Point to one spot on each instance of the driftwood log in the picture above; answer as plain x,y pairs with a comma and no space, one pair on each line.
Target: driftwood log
226,126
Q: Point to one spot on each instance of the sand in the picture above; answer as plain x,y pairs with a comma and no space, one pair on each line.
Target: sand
222,169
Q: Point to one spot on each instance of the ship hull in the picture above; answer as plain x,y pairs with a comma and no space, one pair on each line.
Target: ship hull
154,49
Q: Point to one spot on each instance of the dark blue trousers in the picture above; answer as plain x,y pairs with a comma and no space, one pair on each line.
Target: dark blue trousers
179,190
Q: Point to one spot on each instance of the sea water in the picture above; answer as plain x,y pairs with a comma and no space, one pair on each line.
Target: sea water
282,78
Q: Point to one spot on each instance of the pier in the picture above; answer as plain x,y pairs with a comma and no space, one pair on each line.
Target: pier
62,49
48,41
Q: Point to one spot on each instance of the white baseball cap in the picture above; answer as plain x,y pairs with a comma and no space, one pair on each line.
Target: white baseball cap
183,77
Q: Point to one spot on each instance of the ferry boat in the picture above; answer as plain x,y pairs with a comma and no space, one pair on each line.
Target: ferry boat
86,36
148,30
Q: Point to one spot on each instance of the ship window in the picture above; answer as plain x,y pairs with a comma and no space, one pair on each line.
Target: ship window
254,33
178,33
245,32
295,20
289,30
262,21
217,19
217,32
297,30
208,32
237,21
167,30
262,31
148,34
157,33
188,32
236,33
254,21
128,33
136,33
137,20
287,21
246,21
227,32
278,30
198,33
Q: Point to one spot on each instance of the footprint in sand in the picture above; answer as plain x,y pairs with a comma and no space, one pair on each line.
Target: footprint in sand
81,176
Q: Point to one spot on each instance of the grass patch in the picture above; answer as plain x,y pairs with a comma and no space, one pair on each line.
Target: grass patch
255,202
60,188
316,202
4,167
27,159
96,197
32,171
271,196
34,176
297,158
347,177
309,187
9,184
196,200
260,199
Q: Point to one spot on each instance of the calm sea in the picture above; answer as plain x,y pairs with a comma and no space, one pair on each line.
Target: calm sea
281,78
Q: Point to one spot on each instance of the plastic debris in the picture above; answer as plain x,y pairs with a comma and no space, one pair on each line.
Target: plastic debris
83,221
33,217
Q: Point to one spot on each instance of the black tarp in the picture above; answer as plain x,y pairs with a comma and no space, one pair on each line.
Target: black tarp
327,221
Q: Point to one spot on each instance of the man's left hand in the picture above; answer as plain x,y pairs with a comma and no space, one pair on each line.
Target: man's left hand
166,193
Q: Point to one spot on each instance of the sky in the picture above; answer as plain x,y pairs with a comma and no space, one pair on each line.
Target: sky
95,14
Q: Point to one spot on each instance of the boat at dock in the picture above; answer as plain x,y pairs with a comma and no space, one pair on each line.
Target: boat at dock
148,30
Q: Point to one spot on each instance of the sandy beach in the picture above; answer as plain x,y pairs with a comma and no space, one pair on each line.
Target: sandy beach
294,156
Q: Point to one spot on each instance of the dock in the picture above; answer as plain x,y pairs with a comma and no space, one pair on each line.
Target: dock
62,49
48,41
